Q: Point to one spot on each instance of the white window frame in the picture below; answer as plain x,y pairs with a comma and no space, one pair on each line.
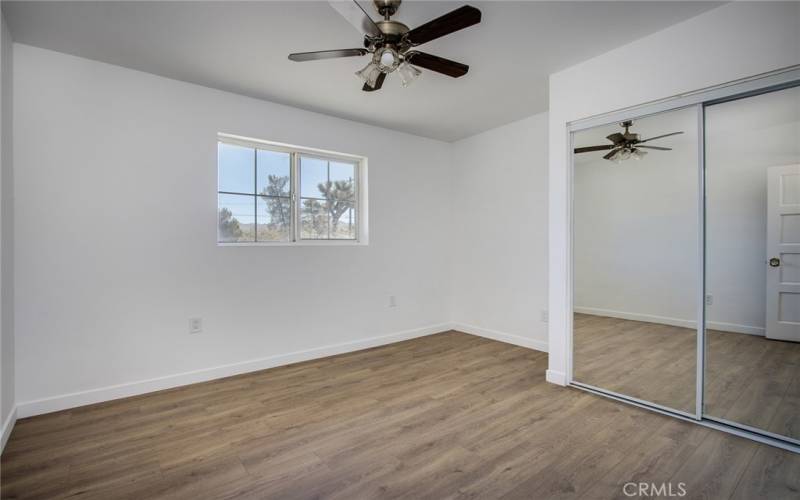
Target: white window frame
360,164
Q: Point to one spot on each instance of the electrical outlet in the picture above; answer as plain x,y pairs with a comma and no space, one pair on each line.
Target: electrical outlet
392,301
709,299
545,316
195,325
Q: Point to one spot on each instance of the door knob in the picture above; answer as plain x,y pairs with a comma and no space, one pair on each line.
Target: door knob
775,262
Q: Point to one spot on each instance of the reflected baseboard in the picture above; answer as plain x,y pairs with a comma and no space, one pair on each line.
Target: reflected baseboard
664,320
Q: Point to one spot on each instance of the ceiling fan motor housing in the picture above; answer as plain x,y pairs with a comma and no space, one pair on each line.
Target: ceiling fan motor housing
393,32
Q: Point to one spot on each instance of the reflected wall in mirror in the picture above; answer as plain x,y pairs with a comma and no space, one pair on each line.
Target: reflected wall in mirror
636,259
753,262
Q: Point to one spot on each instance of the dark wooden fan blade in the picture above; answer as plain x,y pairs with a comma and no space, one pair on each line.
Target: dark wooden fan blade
326,54
659,137
461,18
594,148
612,153
654,147
378,84
436,63
616,137
357,16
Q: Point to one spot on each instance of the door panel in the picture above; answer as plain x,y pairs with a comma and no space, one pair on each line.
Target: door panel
790,268
783,250
789,309
790,188
790,228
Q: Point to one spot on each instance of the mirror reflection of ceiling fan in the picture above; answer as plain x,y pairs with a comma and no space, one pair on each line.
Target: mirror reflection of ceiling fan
391,43
626,145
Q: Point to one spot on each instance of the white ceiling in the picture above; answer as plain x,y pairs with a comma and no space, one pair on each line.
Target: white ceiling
242,47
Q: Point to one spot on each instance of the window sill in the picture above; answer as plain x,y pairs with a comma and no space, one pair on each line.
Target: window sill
303,243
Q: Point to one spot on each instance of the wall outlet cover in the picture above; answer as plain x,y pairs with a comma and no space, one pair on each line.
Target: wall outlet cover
195,325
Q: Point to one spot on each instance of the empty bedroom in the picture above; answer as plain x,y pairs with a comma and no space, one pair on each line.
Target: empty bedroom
364,249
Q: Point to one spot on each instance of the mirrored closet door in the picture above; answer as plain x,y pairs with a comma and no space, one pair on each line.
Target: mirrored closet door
636,259
686,259
752,358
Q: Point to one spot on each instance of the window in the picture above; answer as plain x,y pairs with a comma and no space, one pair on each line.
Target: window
276,194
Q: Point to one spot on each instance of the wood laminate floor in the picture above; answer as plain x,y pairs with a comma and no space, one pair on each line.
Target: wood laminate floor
444,416
749,379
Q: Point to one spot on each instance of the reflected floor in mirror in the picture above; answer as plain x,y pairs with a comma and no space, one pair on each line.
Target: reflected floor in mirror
749,379
647,361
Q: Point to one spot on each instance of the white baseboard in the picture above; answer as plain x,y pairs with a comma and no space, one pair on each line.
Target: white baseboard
554,377
75,399
734,328
508,338
684,323
8,426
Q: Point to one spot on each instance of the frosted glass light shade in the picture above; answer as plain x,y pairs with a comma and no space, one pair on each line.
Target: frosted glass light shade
408,74
369,74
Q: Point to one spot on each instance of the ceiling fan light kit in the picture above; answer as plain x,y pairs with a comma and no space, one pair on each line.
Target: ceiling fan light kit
369,73
391,43
408,73
626,145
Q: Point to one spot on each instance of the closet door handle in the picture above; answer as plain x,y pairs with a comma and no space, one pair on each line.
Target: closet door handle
775,262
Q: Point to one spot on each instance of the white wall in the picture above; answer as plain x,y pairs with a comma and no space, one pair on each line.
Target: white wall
499,246
731,42
116,237
6,238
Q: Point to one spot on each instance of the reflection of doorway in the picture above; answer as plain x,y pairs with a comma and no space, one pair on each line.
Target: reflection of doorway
783,253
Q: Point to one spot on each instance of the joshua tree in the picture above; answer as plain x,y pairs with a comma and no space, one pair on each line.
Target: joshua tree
228,225
315,217
277,201
340,197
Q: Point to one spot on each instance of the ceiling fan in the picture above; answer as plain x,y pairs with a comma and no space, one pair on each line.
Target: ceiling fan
626,145
391,43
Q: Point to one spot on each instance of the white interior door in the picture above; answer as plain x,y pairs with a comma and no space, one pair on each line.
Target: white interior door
783,253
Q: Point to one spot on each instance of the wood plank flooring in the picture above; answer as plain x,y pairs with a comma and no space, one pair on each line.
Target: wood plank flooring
749,379
444,416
